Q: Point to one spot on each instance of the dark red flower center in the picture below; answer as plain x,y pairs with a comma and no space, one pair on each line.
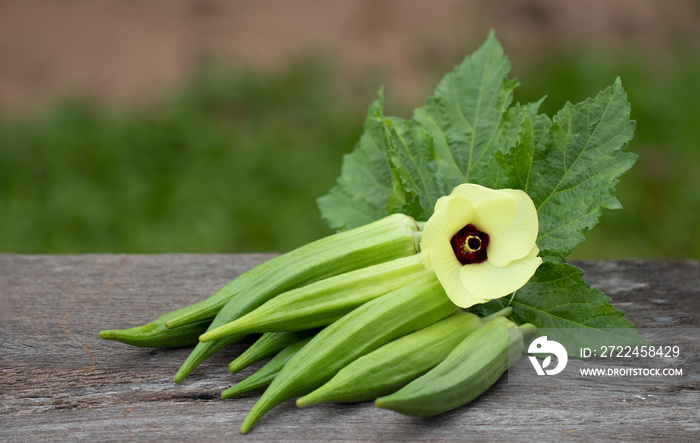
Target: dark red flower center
469,245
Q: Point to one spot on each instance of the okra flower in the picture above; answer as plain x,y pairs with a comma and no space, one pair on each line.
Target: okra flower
481,243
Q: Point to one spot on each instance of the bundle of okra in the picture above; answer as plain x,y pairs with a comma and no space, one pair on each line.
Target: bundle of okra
352,317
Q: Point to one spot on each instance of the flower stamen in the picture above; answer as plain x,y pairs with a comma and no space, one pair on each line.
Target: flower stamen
469,245
472,244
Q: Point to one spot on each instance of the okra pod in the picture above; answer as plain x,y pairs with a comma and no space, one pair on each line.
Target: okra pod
467,372
270,343
323,302
264,376
400,312
386,239
156,335
201,352
392,366
378,242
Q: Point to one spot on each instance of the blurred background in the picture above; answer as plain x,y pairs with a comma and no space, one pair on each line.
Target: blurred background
213,125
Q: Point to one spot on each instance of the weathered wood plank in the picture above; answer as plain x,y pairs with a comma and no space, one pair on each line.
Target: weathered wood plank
59,380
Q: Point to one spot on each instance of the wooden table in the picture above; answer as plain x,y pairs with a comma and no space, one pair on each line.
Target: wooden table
60,381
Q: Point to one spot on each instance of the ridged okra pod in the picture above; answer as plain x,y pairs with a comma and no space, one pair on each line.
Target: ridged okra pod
268,344
467,372
408,309
201,352
390,367
156,335
323,302
378,242
264,376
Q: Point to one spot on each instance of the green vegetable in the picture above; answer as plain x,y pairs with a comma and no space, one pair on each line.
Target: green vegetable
264,376
200,353
270,343
323,302
387,239
156,335
383,240
467,372
387,369
405,310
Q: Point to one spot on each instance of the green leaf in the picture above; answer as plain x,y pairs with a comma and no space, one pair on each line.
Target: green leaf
466,115
464,124
363,188
501,171
577,178
417,185
569,166
556,298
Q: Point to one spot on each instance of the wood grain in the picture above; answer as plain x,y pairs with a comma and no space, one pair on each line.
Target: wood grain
60,381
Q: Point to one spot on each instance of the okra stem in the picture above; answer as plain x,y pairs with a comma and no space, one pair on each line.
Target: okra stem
527,329
505,312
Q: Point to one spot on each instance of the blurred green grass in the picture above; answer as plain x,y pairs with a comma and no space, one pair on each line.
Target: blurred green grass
234,162
660,194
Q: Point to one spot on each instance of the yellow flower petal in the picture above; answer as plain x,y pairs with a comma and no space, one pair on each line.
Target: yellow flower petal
445,223
495,209
488,281
447,269
441,202
516,241
508,217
